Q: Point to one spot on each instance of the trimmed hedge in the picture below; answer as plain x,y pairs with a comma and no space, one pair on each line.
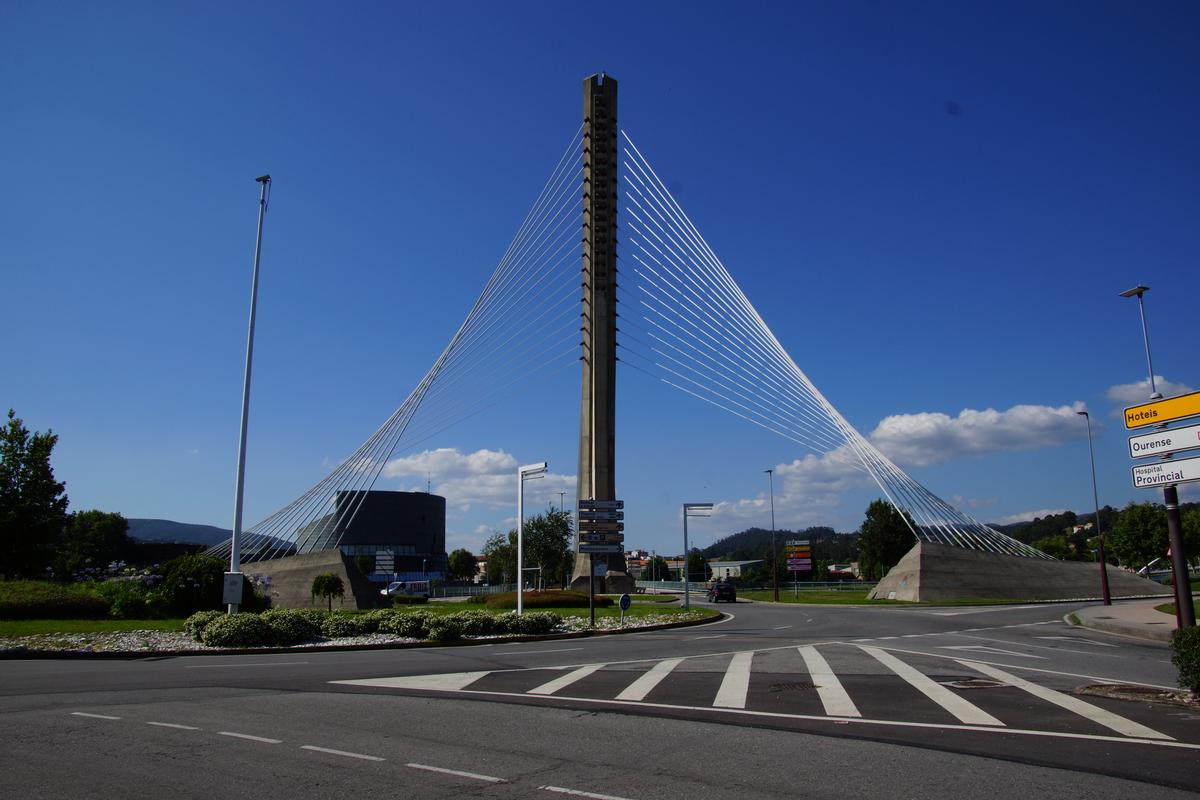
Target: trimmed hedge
289,626
337,625
237,630
196,623
546,599
44,600
1185,655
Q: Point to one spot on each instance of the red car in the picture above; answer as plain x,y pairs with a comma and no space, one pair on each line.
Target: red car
722,591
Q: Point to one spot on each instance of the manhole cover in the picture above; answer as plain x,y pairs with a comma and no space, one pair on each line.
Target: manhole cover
791,687
974,683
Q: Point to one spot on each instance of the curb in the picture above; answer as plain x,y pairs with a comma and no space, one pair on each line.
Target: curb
1124,629
154,655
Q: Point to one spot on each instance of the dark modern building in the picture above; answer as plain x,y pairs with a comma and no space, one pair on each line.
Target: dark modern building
403,534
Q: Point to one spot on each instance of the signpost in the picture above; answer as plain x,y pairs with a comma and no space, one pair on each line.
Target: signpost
600,531
799,559
1163,473
1158,412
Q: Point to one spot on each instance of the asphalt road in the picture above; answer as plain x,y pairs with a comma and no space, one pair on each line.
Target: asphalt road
778,701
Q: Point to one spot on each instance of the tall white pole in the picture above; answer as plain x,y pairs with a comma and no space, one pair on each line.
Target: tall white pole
520,542
687,598
235,555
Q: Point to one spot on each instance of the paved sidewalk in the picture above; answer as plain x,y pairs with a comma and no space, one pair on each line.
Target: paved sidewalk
1131,618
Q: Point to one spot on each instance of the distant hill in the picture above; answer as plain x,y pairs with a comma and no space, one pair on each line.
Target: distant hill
755,542
165,530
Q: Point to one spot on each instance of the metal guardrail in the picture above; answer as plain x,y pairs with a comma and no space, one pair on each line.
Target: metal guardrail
472,591
800,586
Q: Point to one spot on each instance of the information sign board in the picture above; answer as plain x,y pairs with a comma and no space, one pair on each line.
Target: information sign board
601,548
1165,441
595,525
232,594
1165,473
603,505
1160,411
602,515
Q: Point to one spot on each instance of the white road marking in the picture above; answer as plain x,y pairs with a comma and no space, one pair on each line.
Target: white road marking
262,739
710,636
534,652
648,680
978,610
1071,703
447,682
736,682
363,756
458,772
92,716
833,695
246,664
563,681
961,709
173,725
581,793
985,649
1079,640
783,627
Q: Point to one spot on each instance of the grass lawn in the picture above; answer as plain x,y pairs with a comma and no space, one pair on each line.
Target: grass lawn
1169,608
636,610
858,598
31,627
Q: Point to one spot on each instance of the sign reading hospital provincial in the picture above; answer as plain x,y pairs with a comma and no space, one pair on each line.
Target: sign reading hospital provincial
1164,441
1164,473
1160,411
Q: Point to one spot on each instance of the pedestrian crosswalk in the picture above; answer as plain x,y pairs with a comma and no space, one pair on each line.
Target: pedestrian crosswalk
849,682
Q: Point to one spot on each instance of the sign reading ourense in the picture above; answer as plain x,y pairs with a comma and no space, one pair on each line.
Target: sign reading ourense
1160,411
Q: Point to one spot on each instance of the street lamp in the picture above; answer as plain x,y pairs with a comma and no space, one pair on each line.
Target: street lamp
528,472
774,558
701,510
1185,615
1096,499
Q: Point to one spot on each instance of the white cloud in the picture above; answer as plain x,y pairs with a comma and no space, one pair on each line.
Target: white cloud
927,438
802,489
487,477
1129,394
1026,516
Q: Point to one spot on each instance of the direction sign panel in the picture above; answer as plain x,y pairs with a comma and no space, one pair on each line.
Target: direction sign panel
595,525
1164,441
611,505
1159,411
601,537
601,548
613,515
1164,473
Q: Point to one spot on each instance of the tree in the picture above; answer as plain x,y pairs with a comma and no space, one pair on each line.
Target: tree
1139,535
193,583
501,552
547,540
697,567
461,565
328,586
33,506
883,539
656,569
92,538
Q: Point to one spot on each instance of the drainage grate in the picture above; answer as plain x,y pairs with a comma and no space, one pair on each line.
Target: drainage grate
791,687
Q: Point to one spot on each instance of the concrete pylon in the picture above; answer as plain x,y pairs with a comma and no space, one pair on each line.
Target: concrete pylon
597,409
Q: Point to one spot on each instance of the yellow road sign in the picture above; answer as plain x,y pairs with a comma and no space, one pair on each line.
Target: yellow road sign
1159,411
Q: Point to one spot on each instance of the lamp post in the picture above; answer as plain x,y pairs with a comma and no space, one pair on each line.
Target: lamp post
1185,615
774,558
528,472
1096,499
235,555
702,510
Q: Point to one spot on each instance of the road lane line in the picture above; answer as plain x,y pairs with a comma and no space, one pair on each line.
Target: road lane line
446,682
648,680
363,756
833,695
458,772
986,649
581,793
961,709
710,636
92,716
563,681
736,682
262,739
1096,714
173,725
1079,640
783,627
533,652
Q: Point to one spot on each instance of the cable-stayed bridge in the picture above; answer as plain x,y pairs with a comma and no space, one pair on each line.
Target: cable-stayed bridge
554,299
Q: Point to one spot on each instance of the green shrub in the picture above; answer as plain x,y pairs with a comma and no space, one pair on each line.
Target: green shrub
336,626
409,624
289,626
477,599
532,623
44,600
444,629
1185,655
372,621
409,599
192,583
196,623
547,599
129,599
475,622
237,630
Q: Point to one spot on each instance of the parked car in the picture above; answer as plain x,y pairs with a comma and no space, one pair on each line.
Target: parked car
722,591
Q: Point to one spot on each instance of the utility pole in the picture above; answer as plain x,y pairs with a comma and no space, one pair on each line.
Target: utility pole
233,579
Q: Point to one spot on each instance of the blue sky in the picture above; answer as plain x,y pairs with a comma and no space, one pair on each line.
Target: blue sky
932,205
